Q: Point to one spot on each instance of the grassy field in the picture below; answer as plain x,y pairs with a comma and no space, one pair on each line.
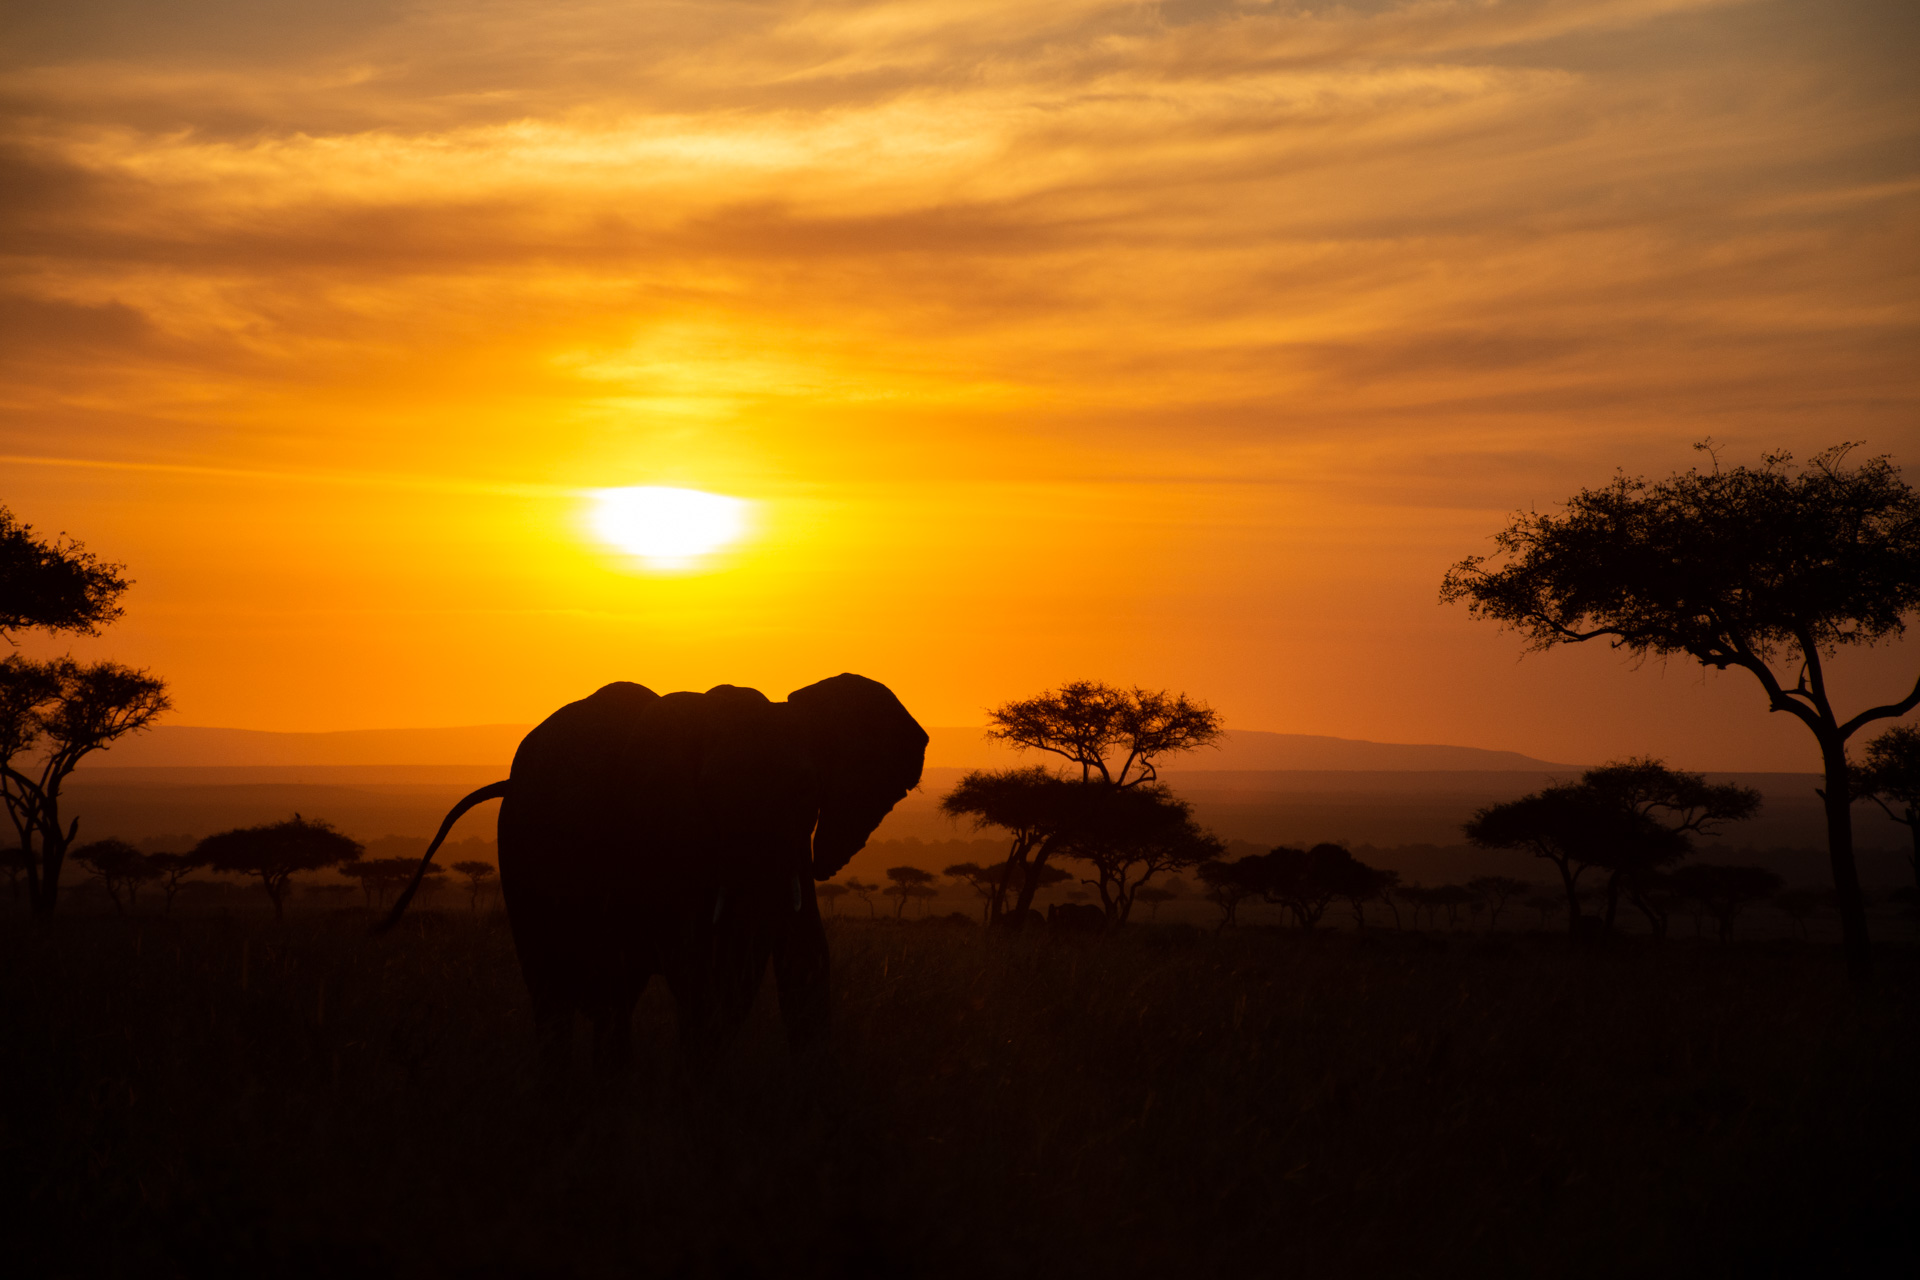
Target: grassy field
211,1091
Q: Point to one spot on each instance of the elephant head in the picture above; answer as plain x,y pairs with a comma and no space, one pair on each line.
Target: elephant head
869,753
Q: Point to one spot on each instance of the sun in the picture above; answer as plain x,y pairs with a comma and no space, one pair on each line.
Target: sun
667,528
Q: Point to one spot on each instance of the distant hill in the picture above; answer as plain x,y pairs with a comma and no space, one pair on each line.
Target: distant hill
1248,750
179,746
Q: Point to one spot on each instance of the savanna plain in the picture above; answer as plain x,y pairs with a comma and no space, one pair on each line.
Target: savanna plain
211,1092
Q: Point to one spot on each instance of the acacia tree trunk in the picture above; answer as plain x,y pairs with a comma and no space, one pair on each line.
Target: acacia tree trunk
1570,880
1031,883
1837,796
44,888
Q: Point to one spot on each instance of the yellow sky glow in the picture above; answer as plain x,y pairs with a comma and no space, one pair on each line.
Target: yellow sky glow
1180,343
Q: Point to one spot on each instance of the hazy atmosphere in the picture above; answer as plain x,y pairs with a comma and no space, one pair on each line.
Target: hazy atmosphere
877,639
1191,342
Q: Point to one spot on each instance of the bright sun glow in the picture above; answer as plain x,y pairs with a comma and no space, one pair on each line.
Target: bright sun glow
668,528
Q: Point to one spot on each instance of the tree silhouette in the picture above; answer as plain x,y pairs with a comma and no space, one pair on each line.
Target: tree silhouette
1129,835
1155,897
986,882
1453,899
1544,903
53,714
1496,891
1376,886
120,867
380,876
1576,827
908,882
1229,884
480,877
1674,806
1116,735
1800,906
173,871
1035,807
830,893
276,852
1891,779
1306,881
864,892
1751,567
53,584
1419,898
1723,892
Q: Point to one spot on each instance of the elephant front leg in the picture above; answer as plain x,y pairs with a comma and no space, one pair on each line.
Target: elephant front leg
800,968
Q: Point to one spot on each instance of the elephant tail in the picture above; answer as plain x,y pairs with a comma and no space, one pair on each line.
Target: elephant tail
492,791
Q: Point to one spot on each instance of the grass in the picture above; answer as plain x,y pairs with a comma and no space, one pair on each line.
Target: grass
212,1092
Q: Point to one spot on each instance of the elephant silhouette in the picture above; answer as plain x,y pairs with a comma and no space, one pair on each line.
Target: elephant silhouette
680,836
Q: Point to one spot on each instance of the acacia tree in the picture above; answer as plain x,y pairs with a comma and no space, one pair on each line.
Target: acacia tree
380,876
1306,881
1724,892
479,877
120,868
1155,896
1762,568
53,584
1800,906
984,881
1891,779
173,870
830,893
53,714
908,882
1567,825
1113,735
864,892
1229,884
276,852
1673,806
1034,807
1130,835
1496,891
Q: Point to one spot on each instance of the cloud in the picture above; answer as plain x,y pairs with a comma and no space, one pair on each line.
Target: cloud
1357,220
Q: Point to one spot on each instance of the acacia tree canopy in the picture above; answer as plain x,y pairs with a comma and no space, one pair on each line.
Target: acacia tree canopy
1129,835
119,867
1747,567
1574,827
1092,724
277,851
53,584
53,713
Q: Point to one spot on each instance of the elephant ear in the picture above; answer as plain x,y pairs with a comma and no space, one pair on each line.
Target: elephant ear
869,753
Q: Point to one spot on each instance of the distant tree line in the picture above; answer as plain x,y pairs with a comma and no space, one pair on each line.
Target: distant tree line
1769,570
273,854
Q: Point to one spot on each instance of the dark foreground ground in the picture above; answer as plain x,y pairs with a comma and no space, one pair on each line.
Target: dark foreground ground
195,1095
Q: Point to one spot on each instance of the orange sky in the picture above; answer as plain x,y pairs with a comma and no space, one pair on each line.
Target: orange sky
1183,344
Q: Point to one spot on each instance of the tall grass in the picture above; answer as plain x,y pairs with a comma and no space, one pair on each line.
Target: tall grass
212,1092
